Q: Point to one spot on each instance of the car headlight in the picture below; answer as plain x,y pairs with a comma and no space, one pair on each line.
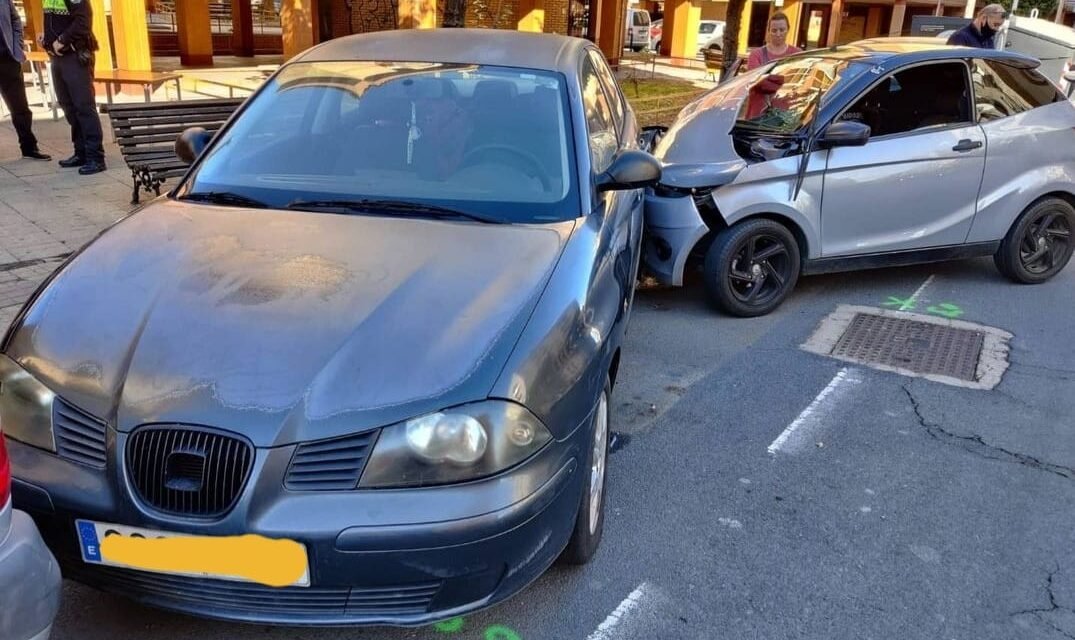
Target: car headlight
455,445
25,406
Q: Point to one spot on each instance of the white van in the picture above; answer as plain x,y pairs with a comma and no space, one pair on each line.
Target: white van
637,36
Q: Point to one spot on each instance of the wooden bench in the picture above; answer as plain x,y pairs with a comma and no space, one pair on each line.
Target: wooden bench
150,81
146,134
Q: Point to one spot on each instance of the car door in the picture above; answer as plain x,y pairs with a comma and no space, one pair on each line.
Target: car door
1030,132
915,184
617,214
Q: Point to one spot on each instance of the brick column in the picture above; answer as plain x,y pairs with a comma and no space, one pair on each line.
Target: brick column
612,18
836,21
298,26
899,11
103,57
242,28
679,33
131,34
195,32
530,16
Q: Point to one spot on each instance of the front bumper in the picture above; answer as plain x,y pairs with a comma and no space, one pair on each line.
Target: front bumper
673,228
29,579
377,557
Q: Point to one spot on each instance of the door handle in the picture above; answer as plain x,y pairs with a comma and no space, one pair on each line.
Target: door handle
967,145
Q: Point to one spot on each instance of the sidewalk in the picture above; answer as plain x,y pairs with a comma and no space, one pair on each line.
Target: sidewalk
47,212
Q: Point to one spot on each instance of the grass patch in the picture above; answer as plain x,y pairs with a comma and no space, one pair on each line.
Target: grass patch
642,88
656,101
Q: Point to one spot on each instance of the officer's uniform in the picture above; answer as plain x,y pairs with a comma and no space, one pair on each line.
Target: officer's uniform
70,22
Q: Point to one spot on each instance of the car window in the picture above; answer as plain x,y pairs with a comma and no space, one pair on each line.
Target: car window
482,139
788,96
1002,90
610,86
641,18
707,28
922,97
600,123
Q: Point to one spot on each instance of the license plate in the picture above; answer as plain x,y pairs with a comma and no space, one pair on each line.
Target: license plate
246,558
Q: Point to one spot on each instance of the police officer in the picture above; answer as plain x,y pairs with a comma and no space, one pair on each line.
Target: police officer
981,32
12,86
69,39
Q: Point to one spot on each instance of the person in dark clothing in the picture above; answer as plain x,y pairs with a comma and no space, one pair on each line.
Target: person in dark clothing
982,30
12,86
69,39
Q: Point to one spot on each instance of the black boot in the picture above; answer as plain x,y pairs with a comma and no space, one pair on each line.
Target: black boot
91,167
73,161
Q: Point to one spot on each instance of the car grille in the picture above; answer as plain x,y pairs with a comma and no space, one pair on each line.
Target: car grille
79,436
188,472
329,465
239,597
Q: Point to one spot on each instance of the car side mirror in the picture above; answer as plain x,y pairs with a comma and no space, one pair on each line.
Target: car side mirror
845,133
631,169
190,144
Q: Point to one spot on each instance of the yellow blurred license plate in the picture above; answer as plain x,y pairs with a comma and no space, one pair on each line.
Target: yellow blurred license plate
245,558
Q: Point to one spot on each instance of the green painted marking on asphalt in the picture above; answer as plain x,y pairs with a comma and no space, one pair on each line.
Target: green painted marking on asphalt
449,626
903,304
946,309
500,632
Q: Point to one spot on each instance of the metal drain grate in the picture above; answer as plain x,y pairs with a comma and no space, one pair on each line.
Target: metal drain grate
922,347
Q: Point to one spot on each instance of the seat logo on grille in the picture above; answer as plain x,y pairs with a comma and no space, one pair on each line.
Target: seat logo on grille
184,470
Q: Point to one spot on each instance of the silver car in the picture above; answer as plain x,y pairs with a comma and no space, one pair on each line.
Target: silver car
29,576
880,153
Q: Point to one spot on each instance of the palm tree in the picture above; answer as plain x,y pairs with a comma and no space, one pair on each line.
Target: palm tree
731,35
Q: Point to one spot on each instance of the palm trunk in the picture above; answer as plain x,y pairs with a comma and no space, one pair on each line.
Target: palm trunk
731,35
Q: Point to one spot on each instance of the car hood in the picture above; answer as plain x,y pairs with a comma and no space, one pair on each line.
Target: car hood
697,150
284,326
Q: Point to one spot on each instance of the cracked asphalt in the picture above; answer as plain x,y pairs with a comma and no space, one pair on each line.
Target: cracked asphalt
914,509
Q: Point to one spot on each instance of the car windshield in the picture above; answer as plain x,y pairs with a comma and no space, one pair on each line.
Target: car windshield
486,141
787,96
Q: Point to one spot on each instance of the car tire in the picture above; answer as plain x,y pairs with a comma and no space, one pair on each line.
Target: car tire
1039,243
590,520
766,282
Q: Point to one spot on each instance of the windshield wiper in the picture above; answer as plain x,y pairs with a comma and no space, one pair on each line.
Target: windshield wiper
400,207
226,198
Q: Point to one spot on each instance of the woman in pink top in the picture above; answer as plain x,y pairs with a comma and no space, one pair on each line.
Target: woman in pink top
776,45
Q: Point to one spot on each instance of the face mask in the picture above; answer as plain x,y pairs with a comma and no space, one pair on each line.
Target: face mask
988,31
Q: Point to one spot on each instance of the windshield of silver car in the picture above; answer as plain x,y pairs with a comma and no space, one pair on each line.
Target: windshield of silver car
787,97
491,142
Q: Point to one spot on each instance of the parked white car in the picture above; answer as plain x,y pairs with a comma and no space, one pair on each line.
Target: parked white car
637,37
710,34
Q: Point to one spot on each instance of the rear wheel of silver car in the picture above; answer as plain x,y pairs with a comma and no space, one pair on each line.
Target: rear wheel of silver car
750,268
1039,244
590,520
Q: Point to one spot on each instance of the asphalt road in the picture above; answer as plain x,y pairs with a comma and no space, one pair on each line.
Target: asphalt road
903,508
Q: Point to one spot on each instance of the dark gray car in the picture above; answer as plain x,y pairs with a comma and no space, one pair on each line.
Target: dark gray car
373,332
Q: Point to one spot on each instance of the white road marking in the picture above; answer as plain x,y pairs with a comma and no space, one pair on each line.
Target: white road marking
811,416
914,296
605,629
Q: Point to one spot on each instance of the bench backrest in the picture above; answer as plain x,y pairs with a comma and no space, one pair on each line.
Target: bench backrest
146,132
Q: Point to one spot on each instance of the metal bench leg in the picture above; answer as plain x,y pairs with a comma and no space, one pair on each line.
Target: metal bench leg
147,92
137,182
178,89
